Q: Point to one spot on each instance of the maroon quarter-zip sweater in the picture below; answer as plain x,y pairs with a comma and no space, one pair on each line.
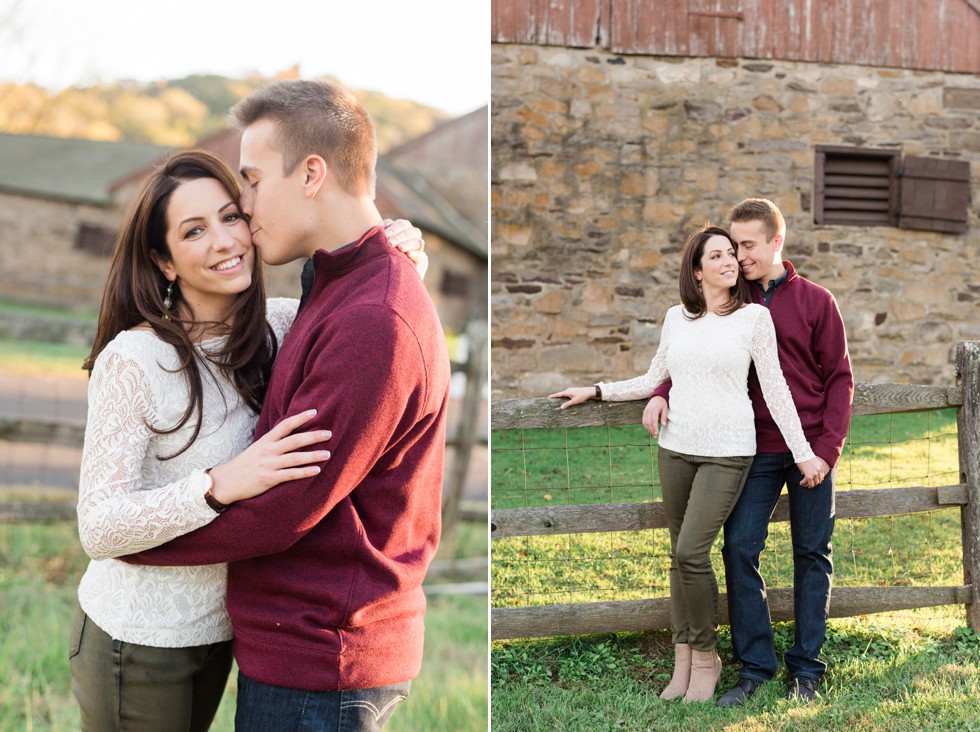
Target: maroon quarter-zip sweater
812,350
325,574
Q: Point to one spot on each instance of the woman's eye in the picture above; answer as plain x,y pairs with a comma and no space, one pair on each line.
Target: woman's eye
193,232
233,217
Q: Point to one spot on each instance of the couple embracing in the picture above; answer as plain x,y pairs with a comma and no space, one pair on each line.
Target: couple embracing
754,366
322,552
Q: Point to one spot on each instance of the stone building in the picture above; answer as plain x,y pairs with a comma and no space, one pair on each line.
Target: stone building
62,200
619,127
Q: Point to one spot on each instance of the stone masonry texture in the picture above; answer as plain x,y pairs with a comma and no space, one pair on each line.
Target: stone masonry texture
603,164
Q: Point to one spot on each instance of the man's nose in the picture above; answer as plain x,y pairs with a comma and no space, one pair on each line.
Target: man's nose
247,202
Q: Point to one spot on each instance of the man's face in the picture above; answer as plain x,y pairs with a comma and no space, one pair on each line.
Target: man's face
272,201
756,254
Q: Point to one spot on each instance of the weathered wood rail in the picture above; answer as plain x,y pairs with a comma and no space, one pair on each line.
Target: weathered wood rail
646,614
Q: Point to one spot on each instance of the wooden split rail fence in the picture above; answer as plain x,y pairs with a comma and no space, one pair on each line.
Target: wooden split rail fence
647,614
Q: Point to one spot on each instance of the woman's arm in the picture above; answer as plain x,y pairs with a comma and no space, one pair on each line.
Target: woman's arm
640,387
778,397
116,515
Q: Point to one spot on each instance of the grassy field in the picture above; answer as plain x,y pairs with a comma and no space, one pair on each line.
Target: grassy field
898,671
40,566
28,358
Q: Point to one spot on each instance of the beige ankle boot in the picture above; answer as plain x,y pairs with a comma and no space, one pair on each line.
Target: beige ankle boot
682,672
705,672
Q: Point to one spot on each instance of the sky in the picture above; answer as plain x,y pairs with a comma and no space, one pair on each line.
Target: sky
435,52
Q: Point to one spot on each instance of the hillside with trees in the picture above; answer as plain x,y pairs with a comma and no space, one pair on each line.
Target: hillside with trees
175,112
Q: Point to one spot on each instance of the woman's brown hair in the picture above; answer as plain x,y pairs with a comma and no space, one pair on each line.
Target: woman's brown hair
691,296
135,288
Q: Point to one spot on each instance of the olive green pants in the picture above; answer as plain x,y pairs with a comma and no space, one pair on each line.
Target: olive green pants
125,686
698,494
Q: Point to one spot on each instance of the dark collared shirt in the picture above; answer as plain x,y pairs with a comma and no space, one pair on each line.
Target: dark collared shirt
767,292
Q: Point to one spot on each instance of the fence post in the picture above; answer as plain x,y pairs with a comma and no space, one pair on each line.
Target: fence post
968,428
469,421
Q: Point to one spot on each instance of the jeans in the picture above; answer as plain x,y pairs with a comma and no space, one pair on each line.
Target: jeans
811,526
127,686
262,708
698,494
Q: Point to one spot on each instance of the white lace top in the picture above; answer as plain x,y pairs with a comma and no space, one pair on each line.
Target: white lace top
707,359
129,501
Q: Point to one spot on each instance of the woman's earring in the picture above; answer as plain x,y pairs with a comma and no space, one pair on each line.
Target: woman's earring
700,289
168,301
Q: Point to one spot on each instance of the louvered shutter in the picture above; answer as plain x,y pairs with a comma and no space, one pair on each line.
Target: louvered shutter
855,186
934,194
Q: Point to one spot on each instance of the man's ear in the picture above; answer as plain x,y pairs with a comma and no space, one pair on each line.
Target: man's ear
316,172
165,266
777,243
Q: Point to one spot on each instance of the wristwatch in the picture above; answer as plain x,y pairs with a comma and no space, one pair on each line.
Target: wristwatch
216,505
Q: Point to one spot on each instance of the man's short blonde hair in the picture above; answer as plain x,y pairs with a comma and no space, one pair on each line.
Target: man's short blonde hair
316,118
760,209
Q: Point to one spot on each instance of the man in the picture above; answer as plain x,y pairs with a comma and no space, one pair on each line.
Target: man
325,573
813,354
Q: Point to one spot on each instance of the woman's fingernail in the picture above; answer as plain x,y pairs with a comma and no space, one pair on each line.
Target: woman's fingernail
311,412
326,434
327,453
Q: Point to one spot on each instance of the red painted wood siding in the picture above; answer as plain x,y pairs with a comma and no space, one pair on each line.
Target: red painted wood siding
941,35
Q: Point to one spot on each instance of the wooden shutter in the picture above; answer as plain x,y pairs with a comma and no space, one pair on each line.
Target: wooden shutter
95,240
934,194
855,186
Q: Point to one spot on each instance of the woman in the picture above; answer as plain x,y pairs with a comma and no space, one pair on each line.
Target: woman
183,352
705,451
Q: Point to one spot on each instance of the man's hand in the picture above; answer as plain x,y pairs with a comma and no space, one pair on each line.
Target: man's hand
655,415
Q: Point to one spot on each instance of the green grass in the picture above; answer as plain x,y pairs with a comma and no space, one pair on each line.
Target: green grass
613,465
40,566
909,673
31,358
897,671
20,308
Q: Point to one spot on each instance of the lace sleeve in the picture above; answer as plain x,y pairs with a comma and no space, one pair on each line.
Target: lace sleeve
117,514
641,387
774,389
281,312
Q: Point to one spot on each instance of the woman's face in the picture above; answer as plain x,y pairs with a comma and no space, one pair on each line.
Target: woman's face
719,265
210,247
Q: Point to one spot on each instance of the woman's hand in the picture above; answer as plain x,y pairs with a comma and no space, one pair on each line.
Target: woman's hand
576,395
272,459
813,472
408,239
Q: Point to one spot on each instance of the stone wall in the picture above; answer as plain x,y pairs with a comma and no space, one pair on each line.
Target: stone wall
39,264
602,165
